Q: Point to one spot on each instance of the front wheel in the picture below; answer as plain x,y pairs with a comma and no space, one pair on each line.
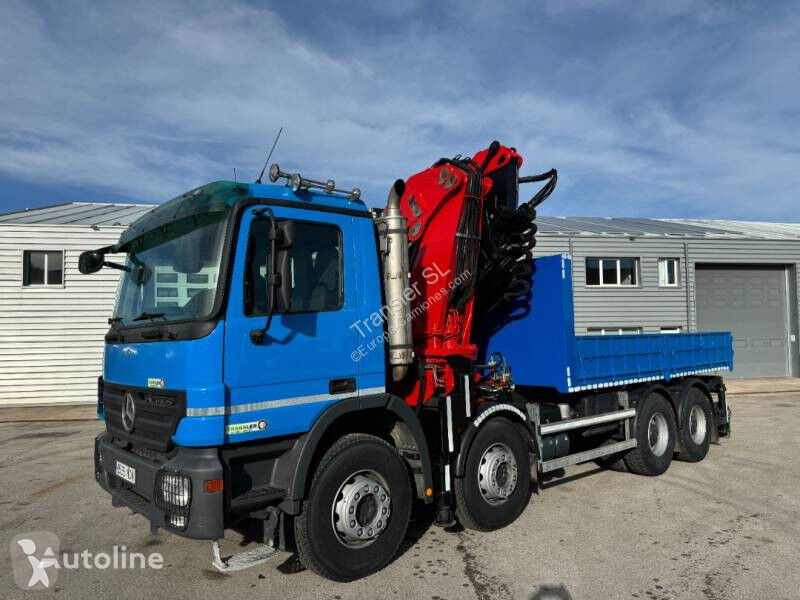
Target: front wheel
357,511
494,489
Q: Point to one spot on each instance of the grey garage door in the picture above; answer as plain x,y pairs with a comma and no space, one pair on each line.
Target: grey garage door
751,303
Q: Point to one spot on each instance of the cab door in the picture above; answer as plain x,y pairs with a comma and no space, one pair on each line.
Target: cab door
304,364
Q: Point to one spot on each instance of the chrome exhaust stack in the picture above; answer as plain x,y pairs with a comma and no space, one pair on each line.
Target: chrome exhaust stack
393,239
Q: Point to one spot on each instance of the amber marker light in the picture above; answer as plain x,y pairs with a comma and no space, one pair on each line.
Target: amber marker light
213,486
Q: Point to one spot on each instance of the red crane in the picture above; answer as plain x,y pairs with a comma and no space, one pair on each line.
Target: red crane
469,245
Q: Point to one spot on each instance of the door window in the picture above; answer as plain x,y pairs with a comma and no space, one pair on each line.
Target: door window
315,262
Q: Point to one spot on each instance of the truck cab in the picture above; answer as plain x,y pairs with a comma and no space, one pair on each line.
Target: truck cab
189,388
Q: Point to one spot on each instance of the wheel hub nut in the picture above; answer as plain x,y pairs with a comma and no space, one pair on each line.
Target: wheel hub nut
361,509
497,474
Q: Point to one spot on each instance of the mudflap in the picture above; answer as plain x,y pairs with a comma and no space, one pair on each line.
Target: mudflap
723,415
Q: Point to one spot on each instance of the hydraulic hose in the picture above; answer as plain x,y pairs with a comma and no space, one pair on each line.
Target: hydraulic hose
507,247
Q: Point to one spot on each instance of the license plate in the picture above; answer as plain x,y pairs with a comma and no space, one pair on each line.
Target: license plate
125,472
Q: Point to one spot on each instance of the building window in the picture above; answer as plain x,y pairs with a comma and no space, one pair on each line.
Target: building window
672,329
668,272
40,267
612,272
613,330
174,289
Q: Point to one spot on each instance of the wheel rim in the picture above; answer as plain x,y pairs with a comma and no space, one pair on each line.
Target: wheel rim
497,474
361,509
658,434
697,424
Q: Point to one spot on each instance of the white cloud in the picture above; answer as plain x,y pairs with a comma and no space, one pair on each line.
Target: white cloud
685,111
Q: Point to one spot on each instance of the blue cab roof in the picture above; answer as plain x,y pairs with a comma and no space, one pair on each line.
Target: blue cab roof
221,196
306,197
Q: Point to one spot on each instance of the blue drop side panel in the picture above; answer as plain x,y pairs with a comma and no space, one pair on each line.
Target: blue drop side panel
537,338
539,344
605,360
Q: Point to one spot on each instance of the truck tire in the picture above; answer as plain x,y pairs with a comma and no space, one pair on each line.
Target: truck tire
613,462
357,511
497,475
655,434
697,420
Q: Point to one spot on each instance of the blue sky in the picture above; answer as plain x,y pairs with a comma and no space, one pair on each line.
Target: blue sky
656,109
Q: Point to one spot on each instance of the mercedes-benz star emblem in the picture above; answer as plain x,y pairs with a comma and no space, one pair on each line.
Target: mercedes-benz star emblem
128,413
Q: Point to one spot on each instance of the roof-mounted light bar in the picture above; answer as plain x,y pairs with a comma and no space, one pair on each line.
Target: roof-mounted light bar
296,183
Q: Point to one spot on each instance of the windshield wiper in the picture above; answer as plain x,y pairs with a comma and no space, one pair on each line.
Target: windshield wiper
148,315
159,332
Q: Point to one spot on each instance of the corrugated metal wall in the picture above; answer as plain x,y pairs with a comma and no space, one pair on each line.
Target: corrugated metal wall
646,305
51,337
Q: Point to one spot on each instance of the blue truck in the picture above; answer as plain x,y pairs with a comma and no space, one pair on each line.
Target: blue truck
276,355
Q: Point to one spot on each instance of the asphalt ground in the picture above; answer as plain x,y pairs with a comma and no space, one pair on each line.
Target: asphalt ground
726,528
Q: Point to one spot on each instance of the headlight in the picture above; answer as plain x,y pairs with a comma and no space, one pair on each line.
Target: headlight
176,489
173,495
177,521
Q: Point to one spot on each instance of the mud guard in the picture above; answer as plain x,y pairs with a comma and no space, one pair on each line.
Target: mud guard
294,467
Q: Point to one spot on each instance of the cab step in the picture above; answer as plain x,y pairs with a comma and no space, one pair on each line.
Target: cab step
256,498
252,557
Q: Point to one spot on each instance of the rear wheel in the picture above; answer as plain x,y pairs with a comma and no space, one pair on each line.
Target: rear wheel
497,477
613,462
655,437
697,420
357,511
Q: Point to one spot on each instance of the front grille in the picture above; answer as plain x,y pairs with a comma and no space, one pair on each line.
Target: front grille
146,453
157,413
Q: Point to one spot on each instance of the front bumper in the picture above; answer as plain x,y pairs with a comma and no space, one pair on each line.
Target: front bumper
200,516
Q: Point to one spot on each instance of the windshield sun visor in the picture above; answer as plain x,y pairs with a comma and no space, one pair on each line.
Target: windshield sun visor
211,199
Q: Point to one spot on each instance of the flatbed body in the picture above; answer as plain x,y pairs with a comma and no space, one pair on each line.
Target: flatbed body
538,342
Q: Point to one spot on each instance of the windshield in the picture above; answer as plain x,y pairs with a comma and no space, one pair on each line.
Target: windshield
172,272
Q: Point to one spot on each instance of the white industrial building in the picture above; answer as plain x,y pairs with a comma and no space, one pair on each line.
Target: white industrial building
629,276
52,318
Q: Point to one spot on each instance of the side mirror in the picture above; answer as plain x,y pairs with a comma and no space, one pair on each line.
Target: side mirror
90,261
141,274
279,275
280,281
285,235
283,282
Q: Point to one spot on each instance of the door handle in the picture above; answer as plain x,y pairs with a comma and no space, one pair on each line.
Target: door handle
341,386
